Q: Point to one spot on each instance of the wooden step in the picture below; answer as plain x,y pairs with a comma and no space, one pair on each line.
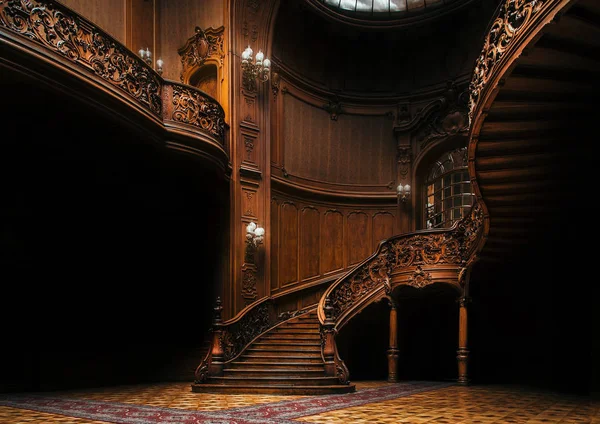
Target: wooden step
261,356
276,381
290,373
295,331
274,389
259,347
294,337
297,365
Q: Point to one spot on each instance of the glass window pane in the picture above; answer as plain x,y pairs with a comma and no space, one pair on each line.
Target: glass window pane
448,192
438,185
447,180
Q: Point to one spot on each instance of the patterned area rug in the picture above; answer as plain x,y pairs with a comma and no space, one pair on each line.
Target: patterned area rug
282,412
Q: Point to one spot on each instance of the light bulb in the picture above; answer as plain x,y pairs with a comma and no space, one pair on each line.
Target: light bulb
260,231
266,63
159,63
259,56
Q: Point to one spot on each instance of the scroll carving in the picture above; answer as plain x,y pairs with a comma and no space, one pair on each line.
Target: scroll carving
404,160
195,108
67,34
240,334
204,44
513,17
420,278
249,292
450,119
453,246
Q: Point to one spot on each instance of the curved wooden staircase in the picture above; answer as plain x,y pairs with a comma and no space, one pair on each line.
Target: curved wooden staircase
284,360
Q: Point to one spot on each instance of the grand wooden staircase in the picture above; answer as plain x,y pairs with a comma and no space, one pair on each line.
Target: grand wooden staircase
284,360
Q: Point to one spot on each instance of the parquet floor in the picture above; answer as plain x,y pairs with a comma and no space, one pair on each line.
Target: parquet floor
453,405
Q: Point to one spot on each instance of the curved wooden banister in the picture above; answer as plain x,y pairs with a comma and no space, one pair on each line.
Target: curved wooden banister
49,32
453,246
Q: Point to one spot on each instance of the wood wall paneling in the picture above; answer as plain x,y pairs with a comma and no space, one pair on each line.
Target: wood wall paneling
354,149
274,244
359,241
332,242
141,26
288,242
310,234
383,227
107,14
178,20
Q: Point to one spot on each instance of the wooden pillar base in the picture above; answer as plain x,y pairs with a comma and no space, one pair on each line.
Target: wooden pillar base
462,357
392,354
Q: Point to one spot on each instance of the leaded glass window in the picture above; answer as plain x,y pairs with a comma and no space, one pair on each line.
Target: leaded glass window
448,191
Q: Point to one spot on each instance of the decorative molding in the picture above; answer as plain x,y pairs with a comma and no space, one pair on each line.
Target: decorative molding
203,45
191,106
512,18
249,279
334,108
78,40
239,334
404,160
420,278
451,118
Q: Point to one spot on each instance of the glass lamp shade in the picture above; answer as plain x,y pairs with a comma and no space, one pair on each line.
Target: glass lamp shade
267,63
250,228
159,63
260,56
259,232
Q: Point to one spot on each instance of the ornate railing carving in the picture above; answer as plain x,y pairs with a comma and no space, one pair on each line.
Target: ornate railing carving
513,20
232,337
59,30
433,247
454,247
192,106
71,36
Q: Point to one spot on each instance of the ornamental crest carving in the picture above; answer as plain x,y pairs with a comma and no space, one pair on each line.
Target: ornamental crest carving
451,117
420,278
204,44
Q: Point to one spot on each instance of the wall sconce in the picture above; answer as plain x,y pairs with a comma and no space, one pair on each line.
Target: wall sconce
159,66
254,234
403,192
251,71
146,55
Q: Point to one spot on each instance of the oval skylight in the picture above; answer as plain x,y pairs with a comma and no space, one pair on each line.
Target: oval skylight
381,7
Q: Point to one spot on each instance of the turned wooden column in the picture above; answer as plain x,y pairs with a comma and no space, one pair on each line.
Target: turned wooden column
393,349
463,352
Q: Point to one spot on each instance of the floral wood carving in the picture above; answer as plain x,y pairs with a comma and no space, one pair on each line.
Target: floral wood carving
404,159
237,336
513,17
453,246
450,119
204,44
192,107
58,29
249,292
420,278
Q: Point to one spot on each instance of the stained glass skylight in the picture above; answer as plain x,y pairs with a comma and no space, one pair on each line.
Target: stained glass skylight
381,7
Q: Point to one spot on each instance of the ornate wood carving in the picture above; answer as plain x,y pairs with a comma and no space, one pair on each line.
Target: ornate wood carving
513,17
449,119
204,44
453,246
237,336
334,108
249,279
404,160
191,106
420,278
60,30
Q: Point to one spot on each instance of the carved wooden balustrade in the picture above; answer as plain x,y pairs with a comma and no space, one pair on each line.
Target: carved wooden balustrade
77,48
415,259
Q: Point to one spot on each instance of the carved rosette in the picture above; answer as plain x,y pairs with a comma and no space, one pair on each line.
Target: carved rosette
513,17
420,278
193,107
60,30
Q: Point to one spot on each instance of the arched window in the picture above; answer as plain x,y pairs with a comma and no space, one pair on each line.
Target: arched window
448,192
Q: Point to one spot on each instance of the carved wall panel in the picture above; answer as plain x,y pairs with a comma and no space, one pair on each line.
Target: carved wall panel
359,243
353,149
332,247
310,234
316,240
383,227
249,203
288,244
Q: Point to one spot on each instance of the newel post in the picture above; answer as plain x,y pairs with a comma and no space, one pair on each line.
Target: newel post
216,364
328,339
462,355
